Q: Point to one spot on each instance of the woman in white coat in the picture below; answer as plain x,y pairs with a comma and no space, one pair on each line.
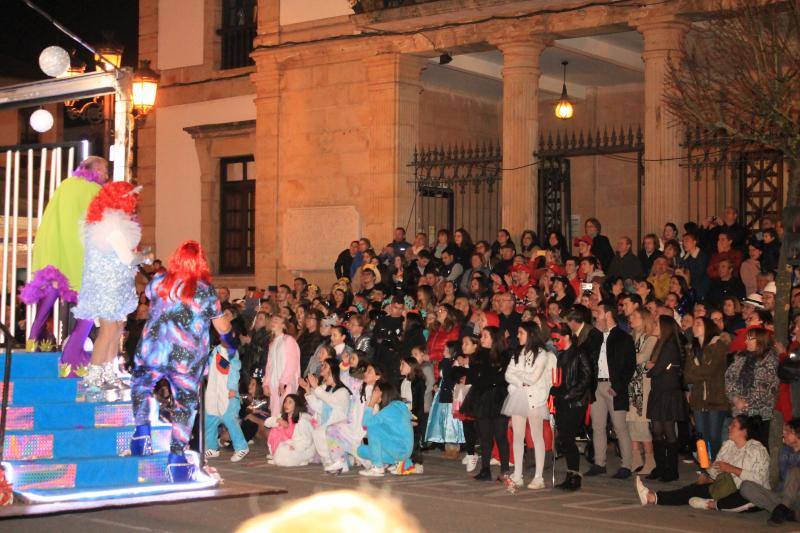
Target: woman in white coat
529,375
330,403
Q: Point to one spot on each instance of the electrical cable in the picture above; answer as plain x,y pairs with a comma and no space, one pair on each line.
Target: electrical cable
72,35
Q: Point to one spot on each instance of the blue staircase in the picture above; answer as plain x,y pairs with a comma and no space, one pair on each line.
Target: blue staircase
63,445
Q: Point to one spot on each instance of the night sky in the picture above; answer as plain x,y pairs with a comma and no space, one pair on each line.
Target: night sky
26,33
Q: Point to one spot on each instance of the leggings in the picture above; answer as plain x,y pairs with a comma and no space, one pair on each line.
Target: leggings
664,431
536,419
470,436
419,435
568,422
494,429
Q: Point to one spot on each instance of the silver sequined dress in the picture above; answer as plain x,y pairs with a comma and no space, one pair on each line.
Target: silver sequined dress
108,291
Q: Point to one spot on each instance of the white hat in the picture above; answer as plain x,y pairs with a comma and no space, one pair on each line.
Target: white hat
770,287
755,300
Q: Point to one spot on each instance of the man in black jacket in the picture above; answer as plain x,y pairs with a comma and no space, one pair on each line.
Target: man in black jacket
625,265
345,260
615,366
587,337
386,336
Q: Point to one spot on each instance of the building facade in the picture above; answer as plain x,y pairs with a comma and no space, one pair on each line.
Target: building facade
285,129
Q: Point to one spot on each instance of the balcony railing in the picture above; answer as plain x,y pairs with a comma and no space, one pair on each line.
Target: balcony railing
237,43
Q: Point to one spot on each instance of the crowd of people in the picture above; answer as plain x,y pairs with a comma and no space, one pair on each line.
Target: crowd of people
494,348
489,349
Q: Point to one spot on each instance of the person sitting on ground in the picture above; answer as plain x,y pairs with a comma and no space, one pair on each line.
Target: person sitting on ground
330,403
742,458
390,435
291,442
784,502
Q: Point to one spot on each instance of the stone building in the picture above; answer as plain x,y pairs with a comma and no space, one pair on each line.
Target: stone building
285,129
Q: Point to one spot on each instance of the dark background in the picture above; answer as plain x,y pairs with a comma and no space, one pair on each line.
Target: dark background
25,33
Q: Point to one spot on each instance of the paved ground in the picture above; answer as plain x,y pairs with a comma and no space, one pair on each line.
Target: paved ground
444,498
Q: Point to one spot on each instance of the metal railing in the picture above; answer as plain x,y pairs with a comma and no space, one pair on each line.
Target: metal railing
6,383
237,43
32,174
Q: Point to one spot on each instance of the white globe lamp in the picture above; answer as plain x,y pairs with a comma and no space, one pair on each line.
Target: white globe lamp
54,61
41,120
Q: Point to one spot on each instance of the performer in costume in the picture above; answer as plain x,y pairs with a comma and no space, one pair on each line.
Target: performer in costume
111,235
58,256
223,403
175,346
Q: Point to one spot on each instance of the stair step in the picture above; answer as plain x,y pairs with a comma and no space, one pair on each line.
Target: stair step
112,492
27,391
31,364
76,443
66,415
95,472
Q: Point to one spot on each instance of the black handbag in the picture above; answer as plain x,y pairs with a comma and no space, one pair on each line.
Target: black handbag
789,370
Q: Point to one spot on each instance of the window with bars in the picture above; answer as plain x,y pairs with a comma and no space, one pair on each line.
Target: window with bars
237,215
239,27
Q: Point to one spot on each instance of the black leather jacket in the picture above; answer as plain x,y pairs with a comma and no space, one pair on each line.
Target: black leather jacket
577,378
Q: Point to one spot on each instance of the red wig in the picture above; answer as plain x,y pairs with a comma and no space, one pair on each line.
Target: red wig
119,195
187,266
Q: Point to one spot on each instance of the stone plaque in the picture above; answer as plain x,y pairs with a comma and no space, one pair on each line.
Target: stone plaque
312,237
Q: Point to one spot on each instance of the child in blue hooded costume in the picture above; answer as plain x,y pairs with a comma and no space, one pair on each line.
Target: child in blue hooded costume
390,436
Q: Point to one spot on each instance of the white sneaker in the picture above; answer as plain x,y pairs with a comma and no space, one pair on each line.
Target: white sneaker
465,460
536,484
472,462
699,503
238,456
110,381
211,454
375,471
516,480
335,466
271,461
418,469
641,490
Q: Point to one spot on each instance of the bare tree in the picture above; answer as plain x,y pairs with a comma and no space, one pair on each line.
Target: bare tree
739,75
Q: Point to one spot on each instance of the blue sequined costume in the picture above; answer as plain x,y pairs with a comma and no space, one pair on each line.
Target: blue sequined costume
175,346
108,291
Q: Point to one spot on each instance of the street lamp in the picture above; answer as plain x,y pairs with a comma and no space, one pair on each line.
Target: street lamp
108,56
563,107
144,89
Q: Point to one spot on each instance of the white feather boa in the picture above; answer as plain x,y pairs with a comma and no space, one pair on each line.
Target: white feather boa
116,231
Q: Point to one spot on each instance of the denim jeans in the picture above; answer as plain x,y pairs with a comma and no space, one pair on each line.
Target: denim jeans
709,424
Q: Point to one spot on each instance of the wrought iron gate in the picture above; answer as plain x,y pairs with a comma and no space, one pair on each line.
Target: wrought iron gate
458,186
720,174
554,170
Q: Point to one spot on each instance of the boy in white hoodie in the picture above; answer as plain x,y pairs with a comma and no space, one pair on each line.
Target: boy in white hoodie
223,403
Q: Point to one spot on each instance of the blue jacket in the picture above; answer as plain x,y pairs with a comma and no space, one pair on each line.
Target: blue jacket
391,426
697,271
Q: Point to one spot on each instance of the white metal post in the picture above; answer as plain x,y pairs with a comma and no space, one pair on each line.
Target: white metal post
29,242
12,325
6,213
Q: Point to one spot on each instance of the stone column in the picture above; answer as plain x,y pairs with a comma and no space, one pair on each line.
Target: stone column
394,90
665,197
266,80
520,132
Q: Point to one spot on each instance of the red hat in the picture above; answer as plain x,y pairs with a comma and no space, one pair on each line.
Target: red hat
522,268
585,239
492,319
